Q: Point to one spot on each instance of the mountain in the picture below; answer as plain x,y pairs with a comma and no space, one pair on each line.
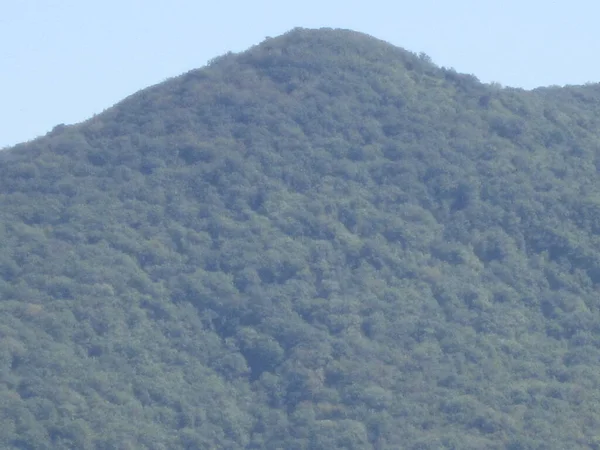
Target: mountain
322,242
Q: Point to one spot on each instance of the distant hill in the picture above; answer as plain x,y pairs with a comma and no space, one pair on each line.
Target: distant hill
322,242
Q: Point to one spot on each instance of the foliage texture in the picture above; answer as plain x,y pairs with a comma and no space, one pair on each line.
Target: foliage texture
322,242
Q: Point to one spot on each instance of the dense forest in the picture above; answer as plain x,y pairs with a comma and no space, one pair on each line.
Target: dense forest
322,242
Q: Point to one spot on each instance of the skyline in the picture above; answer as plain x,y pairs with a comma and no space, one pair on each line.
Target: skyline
65,61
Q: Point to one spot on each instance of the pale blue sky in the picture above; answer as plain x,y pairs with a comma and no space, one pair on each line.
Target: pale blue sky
64,60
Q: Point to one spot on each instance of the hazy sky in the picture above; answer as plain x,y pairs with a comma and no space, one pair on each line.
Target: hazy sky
65,60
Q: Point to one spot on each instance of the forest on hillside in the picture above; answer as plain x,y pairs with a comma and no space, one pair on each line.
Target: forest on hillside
322,242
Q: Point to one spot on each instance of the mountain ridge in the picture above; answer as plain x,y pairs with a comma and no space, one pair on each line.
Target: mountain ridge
322,242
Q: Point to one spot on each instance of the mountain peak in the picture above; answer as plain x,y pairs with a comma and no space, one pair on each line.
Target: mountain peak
322,242
300,43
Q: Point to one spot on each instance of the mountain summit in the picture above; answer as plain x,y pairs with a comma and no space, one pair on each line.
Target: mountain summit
322,242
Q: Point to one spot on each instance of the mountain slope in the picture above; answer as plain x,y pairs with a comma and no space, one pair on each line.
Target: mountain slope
322,242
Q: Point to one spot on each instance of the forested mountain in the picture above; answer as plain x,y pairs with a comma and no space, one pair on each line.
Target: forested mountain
322,242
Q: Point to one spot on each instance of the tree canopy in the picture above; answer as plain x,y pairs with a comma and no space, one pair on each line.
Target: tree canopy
322,242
